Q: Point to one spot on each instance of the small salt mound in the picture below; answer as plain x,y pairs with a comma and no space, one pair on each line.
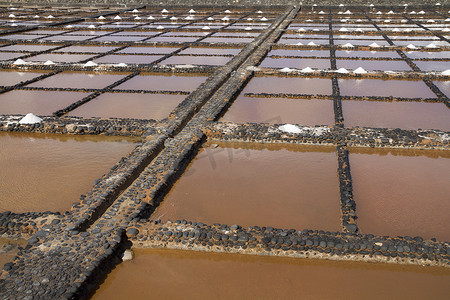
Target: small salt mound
69,26
301,29
405,5
390,12
307,70
264,19
249,19
191,11
343,29
50,17
360,71
447,20
210,19
290,128
101,18
49,62
206,28
189,18
387,21
20,62
135,11
247,28
395,30
309,20
411,46
11,16
371,5
379,13
150,18
36,16
347,12
374,45
431,21
13,25
412,12
359,20
286,70
348,45
359,30
311,44
160,27
344,20
90,64
174,18
122,65
446,30
259,12
91,26
229,12
30,119
407,30
164,11
421,12
137,18
342,71
315,29
446,73
431,46
314,5
438,4
117,17
299,44
341,5
225,19
321,12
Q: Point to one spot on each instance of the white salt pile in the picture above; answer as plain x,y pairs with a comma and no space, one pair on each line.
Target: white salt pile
206,28
342,71
90,64
49,62
160,27
290,128
374,45
164,11
150,18
360,71
191,11
117,17
20,62
30,119
312,44
122,65
446,73
101,18
348,45
135,11
307,70
286,70
411,46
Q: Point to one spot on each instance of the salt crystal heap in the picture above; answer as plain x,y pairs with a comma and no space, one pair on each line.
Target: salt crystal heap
30,119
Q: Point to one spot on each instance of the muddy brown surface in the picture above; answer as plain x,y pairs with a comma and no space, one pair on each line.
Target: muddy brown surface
37,102
78,80
8,78
289,85
402,192
129,105
406,115
176,274
50,172
297,63
266,185
279,110
385,88
196,60
163,83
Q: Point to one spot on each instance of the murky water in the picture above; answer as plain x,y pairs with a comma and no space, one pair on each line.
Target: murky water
286,52
50,172
343,53
128,59
63,58
10,55
226,40
278,111
406,115
163,83
93,49
402,192
196,60
217,51
8,78
30,48
373,65
129,105
265,185
444,86
176,274
385,88
37,102
78,80
297,63
433,65
289,85
148,50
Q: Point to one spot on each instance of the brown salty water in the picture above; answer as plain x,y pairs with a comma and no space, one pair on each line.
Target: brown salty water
406,115
265,185
163,83
385,88
37,102
9,249
289,85
176,274
78,80
402,192
280,110
50,172
12,78
129,105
